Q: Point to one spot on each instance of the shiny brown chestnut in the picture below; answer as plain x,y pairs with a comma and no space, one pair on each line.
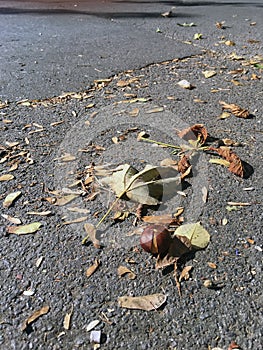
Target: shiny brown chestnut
156,239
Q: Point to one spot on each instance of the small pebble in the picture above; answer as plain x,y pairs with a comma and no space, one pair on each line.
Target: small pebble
95,337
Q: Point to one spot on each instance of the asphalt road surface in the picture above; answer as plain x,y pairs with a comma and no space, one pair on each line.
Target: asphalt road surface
78,82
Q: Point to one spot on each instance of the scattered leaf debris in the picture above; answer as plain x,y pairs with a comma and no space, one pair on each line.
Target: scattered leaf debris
235,109
24,229
90,271
146,302
38,313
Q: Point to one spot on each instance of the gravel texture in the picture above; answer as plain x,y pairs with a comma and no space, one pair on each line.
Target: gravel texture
202,318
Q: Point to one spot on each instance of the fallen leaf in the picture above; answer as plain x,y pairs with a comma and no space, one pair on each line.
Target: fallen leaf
79,210
212,265
66,158
195,233
224,221
40,213
57,123
147,186
67,319
44,310
92,325
91,235
178,247
39,261
219,161
146,302
220,25
240,204
24,229
15,221
230,43
196,132
63,200
123,270
10,198
183,164
90,271
258,65
6,177
204,194
121,215
235,163
235,109
75,221
229,142
115,140
166,219
209,73
154,110
198,36
185,273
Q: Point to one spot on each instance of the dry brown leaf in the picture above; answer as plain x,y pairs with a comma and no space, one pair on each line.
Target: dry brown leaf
63,200
123,271
204,194
229,142
212,265
75,221
209,73
235,109
44,310
195,132
166,219
235,166
90,271
155,110
40,213
79,210
6,177
91,234
185,273
230,43
183,164
180,245
146,302
67,319
15,221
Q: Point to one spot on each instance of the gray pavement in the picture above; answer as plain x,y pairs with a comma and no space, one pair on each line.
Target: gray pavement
52,47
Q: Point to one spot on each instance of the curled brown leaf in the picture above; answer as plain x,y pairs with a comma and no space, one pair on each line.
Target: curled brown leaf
183,164
235,109
236,166
195,132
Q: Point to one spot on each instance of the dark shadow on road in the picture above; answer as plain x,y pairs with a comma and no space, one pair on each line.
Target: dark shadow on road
193,3
16,11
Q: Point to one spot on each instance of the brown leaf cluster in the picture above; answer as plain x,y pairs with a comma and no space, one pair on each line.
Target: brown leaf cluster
235,109
236,166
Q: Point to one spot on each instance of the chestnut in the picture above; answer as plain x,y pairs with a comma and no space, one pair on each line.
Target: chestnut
156,239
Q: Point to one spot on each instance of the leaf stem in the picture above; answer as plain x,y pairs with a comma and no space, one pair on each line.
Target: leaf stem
160,143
